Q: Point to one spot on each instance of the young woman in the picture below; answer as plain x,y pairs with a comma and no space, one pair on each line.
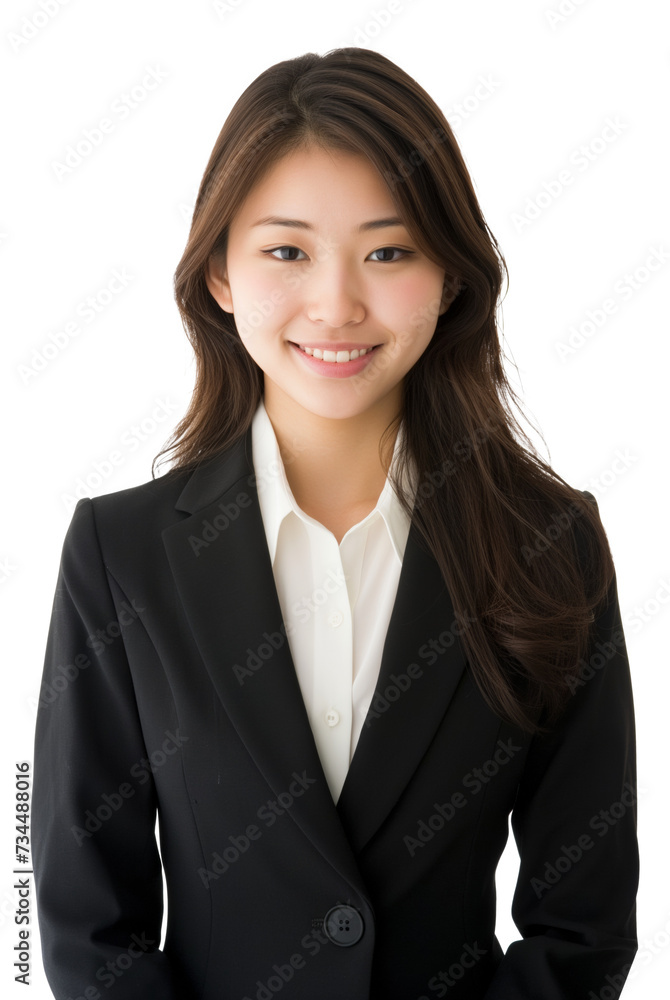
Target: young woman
356,626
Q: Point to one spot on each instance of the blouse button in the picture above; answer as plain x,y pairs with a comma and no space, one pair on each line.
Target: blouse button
335,618
332,717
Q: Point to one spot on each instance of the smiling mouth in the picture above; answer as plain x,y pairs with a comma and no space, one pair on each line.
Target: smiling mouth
335,357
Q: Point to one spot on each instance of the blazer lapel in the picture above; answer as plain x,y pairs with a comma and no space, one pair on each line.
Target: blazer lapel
222,570
407,708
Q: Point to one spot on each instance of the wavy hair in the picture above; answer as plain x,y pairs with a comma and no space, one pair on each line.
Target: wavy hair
524,555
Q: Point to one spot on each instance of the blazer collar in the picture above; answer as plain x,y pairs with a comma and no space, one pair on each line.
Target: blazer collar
221,565
215,476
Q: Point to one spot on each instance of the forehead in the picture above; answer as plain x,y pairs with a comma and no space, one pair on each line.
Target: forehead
326,187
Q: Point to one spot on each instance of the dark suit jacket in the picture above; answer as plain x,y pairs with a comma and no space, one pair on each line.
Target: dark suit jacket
169,690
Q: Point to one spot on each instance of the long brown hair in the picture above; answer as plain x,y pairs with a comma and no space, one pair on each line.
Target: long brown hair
524,555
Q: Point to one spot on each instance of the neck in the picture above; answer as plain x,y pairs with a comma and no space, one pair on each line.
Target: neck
332,464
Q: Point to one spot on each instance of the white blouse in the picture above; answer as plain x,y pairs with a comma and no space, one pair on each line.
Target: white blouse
336,599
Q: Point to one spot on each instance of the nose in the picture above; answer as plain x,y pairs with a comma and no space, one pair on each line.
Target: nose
332,295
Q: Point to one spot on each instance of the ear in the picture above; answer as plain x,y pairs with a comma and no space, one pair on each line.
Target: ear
451,288
218,284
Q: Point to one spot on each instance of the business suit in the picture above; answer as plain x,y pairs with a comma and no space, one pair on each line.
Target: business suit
190,703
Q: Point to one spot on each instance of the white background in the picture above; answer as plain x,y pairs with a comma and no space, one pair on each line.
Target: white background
554,80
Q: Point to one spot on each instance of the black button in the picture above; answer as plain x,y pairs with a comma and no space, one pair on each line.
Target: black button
343,925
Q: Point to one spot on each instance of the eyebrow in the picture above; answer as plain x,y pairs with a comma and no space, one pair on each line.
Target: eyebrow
275,220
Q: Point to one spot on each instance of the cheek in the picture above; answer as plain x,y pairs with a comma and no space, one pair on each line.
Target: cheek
411,304
261,301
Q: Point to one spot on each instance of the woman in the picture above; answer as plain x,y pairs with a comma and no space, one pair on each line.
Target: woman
356,626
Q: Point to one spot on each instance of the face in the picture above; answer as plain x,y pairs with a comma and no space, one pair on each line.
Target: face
318,263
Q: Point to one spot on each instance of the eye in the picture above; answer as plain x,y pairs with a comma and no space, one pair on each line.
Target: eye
294,259
403,253
289,260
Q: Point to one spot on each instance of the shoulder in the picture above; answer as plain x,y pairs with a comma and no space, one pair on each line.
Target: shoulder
589,533
124,527
149,503
155,498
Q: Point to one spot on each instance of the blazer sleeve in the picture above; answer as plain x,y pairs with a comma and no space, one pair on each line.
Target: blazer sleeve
98,876
574,821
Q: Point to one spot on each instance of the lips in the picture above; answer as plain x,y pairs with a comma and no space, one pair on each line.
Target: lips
336,353
337,364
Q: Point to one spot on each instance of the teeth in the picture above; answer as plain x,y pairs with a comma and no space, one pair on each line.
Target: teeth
336,356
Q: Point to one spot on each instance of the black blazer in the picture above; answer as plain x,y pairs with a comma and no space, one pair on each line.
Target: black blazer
169,690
